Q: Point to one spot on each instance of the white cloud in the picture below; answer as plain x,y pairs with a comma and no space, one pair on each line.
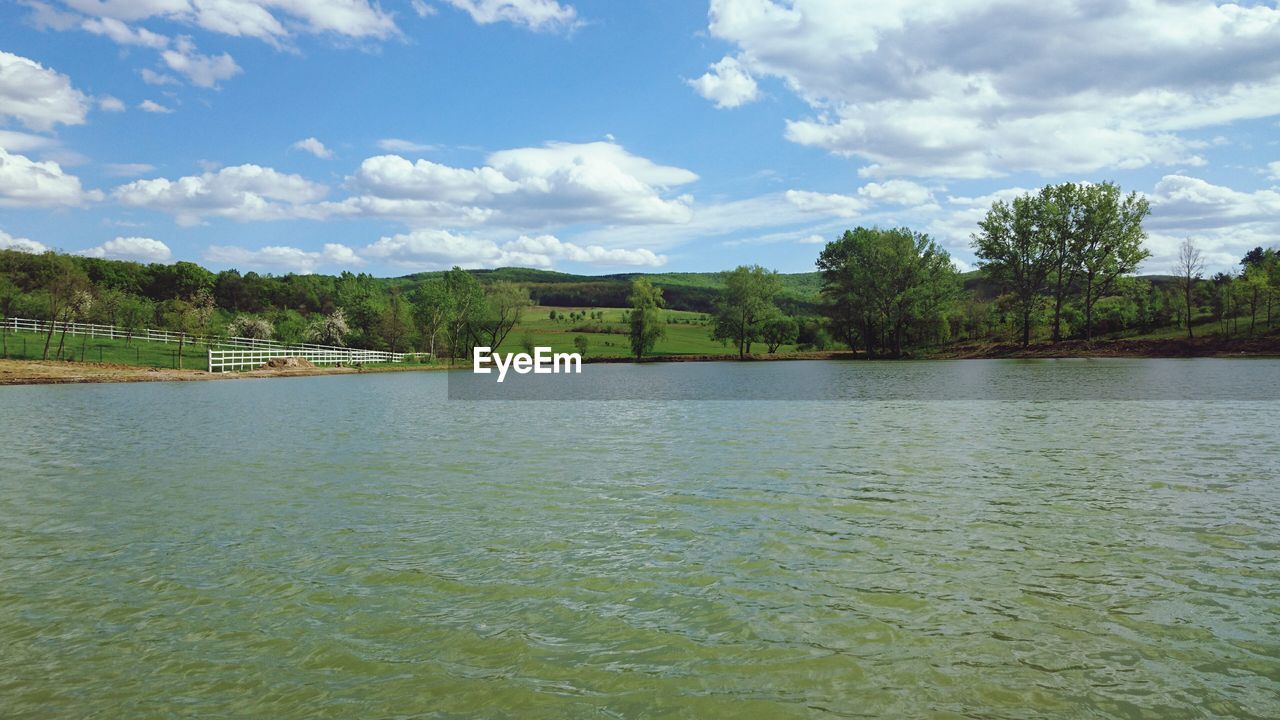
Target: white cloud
284,257
21,142
108,103
892,192
1225,223
534,14
313,146
151,77
1273,170
152,106
423,9
28,183
269,20
1051,88
38,97
127,169
552,248
9,242
396,145
727,84
896,192
244,192
434,249
202,70
122,34
557,184
139,249
826,203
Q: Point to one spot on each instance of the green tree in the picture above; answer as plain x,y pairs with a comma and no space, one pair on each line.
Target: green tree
133,315
463,298
1017,254
1256,288
430,311
778,330
580,343
502,306
61,281
890,289
1111,242
745,303
10,296
645,316
394,325
1062,213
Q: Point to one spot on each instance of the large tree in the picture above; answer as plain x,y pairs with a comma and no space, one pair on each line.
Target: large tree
888,289
1110,245
1061,219
503,306
646,320
463,298
1017,253
744,305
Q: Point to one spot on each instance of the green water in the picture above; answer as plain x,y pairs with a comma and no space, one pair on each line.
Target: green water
362,547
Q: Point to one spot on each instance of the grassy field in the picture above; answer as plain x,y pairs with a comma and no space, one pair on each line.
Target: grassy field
687,333
30,346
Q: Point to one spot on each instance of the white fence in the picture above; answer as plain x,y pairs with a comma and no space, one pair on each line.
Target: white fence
247,352
227,360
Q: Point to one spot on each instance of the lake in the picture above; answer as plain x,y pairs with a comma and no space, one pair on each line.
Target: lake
362,546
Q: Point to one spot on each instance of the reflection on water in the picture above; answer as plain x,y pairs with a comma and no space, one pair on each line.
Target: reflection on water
360,546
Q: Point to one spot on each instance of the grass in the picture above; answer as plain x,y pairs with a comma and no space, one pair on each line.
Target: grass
81,348
687,333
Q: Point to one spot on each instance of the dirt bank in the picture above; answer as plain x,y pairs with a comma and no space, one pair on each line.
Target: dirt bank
1164,348
46,372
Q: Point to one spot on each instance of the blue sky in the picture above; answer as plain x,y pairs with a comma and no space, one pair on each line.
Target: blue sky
594,137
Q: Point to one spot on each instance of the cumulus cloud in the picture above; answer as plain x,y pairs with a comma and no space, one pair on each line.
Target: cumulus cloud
27,183
313,146
727,84
21,244
1273,170
552,248
1225,223
202,70
138,249
152,106
243,192
429,249
283,257
533,14
1052,88
557,184
38,97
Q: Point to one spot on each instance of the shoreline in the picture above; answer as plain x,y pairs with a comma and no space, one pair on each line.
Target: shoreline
61,372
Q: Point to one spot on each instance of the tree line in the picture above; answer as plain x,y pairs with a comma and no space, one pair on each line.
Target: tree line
1055,263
